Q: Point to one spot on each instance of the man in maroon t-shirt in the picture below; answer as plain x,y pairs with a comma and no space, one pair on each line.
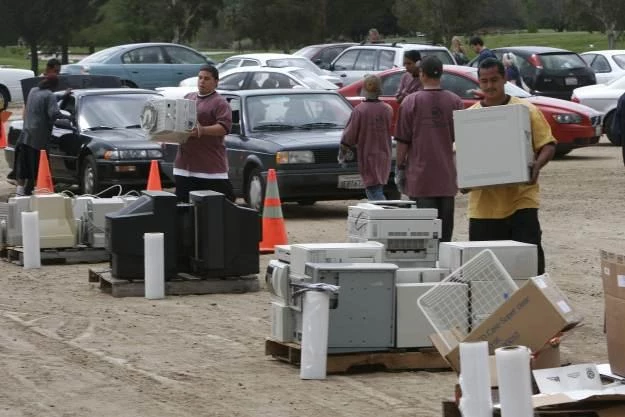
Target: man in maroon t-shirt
369,129
409,82
425,136
201,162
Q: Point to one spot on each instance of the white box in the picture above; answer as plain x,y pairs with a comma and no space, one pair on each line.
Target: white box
281,322
518,258
419,275
493,145
413,328
169,120
301,254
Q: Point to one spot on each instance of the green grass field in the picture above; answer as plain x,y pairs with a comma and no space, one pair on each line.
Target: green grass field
574,41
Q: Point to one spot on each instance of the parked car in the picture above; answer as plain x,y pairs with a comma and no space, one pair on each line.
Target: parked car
104,145
572,124
142,65
357,61
603,98
322,55
607,65
296,132
276,61
10,87
550,72
248,78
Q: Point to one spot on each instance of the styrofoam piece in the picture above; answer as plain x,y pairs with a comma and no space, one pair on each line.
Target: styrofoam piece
30,230
315,321
154,278
506,132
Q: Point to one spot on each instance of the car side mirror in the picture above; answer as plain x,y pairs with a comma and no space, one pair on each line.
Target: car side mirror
331,67
64,124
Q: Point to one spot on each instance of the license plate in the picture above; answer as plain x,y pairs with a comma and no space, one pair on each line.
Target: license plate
570,81
351,182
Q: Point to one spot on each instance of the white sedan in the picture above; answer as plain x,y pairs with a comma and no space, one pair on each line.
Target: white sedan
10,87
607,65
253,78
603,98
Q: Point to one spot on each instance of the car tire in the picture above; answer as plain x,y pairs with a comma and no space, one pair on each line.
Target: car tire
255,189
4,93
89,182
607,128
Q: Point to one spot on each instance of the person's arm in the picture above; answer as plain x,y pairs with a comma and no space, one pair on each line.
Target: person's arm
543,141
350,133
403,134
54,112
545,155
223,114
400,91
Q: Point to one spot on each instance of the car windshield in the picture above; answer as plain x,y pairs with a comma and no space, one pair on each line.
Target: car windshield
294,62
308,51
313,81
562,61
111,111
100,56
296,111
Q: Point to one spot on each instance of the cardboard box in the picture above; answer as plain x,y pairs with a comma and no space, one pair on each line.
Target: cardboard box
531,317
506,132
613,277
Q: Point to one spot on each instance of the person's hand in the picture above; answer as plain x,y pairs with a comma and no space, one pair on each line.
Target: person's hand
465,190
195,132
534,173
400,179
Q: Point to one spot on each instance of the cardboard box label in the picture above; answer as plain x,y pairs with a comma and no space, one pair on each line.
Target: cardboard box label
564,307
621,280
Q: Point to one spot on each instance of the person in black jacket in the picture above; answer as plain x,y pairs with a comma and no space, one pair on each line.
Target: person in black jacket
618,124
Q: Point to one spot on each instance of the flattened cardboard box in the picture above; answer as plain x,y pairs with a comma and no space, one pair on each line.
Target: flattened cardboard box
532,316
613,277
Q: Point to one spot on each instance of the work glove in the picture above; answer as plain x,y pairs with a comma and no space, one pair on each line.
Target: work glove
400,179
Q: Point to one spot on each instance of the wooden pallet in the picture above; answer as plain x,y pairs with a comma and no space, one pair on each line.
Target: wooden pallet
183,284
396,360
65,256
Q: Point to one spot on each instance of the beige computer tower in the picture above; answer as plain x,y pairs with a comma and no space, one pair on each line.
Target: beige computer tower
57,227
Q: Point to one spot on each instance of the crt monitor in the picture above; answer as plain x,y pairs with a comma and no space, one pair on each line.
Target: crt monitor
226,236
153,212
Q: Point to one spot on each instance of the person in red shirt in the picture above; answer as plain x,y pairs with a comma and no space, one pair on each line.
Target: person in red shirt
201,162
369,130
409,82
426,169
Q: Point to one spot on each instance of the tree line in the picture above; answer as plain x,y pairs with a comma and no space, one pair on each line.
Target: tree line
286,24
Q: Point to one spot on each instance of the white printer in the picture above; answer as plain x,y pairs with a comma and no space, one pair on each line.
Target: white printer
410,235
301,254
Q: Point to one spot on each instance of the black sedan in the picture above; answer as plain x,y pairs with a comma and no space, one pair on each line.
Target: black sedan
103,145
296,132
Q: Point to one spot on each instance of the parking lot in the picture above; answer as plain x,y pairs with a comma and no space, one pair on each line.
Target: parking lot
66,349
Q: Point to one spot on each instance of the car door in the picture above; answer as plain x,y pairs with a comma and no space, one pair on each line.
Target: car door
343,66
461,86
184,62
235,146
146,67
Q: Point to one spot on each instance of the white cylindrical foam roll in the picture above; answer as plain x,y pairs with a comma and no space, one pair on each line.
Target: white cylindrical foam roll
154,266
476,398
515,384
30,239
315,320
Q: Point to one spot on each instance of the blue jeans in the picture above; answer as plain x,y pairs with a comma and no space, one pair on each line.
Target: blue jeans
375,192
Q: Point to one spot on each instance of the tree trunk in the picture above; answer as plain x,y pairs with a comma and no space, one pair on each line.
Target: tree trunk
34,57
64,53
611,39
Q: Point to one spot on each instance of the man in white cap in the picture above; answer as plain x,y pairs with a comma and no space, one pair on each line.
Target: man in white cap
369,131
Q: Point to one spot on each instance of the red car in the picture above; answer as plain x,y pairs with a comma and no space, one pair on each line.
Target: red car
573,125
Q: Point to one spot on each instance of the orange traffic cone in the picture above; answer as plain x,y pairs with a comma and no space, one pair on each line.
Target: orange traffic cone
154,179
274,232
4,116
44,177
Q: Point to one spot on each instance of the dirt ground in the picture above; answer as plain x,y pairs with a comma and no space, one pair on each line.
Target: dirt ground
66,349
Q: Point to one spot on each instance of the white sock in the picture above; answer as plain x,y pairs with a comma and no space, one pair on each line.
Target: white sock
20,190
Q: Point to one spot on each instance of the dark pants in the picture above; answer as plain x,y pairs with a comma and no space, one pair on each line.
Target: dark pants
184,185
522,226
27,166
445,207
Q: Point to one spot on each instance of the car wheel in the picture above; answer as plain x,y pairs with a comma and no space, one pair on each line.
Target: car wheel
89,183
255,189
607,128
4,98
306,202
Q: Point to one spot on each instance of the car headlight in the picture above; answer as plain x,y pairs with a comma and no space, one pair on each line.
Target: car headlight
295,157
567,118
133,154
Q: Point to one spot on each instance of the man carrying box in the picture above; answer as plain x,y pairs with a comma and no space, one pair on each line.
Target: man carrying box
510,212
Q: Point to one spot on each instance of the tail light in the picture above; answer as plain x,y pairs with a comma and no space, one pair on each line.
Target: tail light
535,61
